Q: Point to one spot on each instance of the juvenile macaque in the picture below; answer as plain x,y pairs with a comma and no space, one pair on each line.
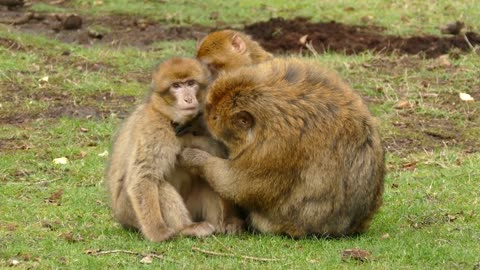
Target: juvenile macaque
227,50
305,155
149,190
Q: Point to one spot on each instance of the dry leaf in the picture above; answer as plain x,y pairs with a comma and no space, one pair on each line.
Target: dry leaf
83,154
385,236
466,97
453,28
84,130
55,196
61,161
13,262
147,259
442,61
403,104
43,80
451,218
356,254
303,39
104,154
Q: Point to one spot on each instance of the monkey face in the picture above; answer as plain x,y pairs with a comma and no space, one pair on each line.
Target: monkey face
181,84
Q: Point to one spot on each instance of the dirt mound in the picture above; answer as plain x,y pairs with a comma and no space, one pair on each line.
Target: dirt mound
281,36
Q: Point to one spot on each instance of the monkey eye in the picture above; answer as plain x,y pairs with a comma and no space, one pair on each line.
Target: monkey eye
175,85
191,82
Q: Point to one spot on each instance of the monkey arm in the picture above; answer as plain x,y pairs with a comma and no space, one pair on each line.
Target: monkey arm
214,169
204,143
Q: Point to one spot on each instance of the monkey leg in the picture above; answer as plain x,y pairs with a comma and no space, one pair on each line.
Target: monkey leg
145,202
177,216
205,204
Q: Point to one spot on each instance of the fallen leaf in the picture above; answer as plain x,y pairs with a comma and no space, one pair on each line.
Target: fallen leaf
303,39
356,254
385,236
103,154
451,218
453,28
13,262
43,80
61,161
443,61
403,104
55,196
367,19
466,97
409,165
147,259
84,130
83,154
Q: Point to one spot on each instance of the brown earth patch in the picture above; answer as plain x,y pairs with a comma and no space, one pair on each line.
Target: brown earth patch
63,104
280,35
277,35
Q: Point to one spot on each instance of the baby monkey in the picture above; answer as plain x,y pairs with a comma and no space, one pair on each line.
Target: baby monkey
227,50
149,190
305,155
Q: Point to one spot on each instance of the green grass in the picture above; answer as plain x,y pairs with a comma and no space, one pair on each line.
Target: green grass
432,190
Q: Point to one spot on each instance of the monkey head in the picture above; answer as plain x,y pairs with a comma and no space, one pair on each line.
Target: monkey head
230,116
227,50
179,88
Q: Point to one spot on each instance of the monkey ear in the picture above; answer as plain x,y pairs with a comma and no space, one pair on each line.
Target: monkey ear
244,120
238,44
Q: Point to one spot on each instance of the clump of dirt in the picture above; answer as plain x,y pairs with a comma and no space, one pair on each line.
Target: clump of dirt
281,36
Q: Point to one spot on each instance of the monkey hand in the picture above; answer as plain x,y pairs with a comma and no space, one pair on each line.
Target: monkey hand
191,157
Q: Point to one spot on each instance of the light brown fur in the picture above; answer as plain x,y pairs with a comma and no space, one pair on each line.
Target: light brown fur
149,191
227,50
305,155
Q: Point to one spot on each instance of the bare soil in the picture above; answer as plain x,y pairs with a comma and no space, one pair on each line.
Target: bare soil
277,35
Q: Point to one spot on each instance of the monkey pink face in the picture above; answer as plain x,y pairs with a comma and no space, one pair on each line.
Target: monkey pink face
185,93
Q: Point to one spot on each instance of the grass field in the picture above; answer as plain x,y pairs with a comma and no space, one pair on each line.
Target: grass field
60,99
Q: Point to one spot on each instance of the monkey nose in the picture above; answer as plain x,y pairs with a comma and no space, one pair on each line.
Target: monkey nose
188,99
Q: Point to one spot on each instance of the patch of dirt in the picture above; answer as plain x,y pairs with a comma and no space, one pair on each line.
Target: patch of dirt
281,36
63,104
113,30
277,35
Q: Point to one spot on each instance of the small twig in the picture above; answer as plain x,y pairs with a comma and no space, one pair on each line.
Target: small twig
153,255
468,42
214,253
222,244
310,47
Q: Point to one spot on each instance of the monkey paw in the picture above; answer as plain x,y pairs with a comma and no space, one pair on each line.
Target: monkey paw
191,157
234,225
160,235
200,229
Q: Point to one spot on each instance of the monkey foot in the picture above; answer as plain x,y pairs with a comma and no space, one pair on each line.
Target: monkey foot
234,225
200,229
161,235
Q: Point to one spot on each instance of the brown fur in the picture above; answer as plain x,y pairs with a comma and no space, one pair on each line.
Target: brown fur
149,191
305,152
227,50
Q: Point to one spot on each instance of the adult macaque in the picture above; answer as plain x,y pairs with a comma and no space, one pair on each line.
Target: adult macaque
305,155
227,50
149,191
